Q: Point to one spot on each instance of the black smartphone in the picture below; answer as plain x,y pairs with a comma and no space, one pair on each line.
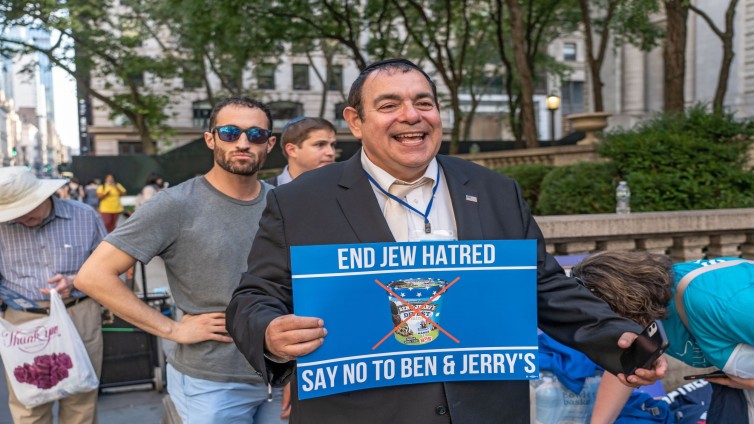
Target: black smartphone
713,374
651,343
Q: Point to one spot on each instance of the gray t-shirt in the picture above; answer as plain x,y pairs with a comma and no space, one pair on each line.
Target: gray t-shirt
205,238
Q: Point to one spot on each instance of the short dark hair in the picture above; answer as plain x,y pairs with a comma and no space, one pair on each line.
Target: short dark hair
298,129
242,101
637,285
402,65
152,178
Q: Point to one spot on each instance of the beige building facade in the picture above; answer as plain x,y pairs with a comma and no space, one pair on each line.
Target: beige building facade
633,88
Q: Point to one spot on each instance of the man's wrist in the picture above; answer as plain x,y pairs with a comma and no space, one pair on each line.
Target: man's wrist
274,358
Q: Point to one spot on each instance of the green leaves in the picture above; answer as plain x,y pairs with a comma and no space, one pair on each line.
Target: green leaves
695,160
581,188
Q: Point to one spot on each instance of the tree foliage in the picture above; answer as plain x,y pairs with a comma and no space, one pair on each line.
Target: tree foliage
543,22
692,160
623,22
107,46
443,33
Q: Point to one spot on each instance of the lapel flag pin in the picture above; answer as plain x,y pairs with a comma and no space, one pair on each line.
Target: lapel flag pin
470,198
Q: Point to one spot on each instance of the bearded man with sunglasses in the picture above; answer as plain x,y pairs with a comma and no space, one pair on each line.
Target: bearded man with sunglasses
202,229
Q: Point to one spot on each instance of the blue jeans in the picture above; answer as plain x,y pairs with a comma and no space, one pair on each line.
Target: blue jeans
207,402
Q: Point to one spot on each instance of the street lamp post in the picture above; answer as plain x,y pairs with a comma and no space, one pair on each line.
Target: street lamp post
553,103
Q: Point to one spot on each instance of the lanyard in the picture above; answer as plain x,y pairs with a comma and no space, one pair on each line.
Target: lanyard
425,215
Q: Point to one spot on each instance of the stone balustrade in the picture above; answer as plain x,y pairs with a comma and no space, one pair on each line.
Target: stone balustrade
683,235
557,156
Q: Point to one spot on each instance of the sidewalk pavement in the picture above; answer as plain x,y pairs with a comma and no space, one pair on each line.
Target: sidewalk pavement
124,405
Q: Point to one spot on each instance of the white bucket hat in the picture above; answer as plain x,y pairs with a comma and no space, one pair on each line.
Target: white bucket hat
21,191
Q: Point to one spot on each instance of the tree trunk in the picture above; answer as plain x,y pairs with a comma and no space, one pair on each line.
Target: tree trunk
728,54
325,87
498,19
722,82
597,85
469,119
674,55
148,144
524,74
514,119
595,61
455,132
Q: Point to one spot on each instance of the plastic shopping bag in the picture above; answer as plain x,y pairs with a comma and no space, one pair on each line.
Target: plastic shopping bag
45,359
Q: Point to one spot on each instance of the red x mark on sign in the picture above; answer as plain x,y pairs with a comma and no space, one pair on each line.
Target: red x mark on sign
416,311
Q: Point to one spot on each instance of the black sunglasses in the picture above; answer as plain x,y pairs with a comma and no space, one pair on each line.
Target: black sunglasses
231,133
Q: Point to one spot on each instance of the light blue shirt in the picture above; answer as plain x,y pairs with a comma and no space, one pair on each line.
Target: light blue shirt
60,245
720,313
284,177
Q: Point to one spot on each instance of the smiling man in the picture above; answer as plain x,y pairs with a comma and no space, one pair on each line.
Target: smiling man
394,111
203,230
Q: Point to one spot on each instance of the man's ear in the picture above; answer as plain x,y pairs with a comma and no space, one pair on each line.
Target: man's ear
209,140
271,143
290,149
353,120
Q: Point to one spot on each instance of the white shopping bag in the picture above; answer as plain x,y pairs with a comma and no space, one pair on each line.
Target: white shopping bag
45,358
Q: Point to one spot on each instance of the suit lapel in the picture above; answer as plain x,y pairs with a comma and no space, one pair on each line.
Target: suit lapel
465,198
359,205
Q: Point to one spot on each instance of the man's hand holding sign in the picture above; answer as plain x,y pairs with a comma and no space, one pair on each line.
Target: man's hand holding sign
291,336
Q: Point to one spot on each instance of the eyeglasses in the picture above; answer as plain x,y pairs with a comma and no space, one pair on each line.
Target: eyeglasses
231,133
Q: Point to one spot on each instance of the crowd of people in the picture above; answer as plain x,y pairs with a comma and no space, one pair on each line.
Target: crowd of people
238,341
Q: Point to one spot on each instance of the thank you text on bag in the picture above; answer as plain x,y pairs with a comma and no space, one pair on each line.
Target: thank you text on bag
45,359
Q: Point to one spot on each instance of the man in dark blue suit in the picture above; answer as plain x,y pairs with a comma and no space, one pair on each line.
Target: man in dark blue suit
393,109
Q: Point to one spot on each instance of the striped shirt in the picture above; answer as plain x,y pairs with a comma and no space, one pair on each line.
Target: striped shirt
60,245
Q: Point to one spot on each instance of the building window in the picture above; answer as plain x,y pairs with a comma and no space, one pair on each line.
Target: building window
300,77
572,98
200,114
569,52
266,76
129,148
283,111
335,78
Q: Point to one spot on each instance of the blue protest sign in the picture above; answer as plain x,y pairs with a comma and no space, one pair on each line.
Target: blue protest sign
407,313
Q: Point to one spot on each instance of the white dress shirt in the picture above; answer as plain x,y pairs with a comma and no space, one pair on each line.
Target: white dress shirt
441,216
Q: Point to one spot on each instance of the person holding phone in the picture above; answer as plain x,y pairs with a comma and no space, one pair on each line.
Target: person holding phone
714,297
393,108
110,207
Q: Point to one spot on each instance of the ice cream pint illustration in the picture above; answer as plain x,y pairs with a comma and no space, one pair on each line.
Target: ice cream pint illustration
414,302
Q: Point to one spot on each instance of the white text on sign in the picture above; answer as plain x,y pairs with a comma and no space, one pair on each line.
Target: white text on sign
401,255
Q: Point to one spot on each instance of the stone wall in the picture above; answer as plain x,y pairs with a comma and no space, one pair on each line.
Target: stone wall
558,156
684,235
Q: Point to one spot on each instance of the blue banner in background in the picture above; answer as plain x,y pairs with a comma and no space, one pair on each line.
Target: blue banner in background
418,312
